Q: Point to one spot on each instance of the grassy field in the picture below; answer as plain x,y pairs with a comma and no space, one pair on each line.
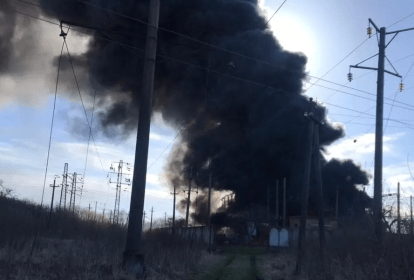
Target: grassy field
83,246
240,263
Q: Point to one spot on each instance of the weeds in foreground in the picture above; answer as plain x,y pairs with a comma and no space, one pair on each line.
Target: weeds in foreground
79,247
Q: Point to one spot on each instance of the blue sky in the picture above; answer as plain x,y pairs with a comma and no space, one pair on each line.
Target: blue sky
326,32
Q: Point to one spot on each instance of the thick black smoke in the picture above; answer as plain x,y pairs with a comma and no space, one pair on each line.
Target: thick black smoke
246,135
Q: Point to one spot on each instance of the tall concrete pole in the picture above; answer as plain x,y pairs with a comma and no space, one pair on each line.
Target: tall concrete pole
398,212
411,215
96,206
132,260
51,205
284,202
319,189
268,202
336,205
188,199
378,139
209,211
277,203
173,221
304,199
152,211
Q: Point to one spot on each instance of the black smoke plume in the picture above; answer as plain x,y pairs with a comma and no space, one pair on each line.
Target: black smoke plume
242,120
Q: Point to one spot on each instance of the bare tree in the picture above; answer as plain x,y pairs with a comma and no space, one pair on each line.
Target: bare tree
4,191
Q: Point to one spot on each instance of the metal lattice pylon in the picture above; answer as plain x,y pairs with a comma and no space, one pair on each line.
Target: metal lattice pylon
64,189
118,193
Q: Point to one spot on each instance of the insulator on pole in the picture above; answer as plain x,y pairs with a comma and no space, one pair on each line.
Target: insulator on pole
369,31
401,86
350,77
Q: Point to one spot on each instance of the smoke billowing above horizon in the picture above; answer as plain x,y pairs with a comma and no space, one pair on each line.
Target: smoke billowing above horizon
241,120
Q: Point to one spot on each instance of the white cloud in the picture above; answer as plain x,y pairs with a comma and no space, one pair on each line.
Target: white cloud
153,179
363,149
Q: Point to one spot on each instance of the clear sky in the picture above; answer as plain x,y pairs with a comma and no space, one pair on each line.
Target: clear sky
326,31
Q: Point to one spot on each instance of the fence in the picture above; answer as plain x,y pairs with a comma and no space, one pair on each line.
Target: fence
199,234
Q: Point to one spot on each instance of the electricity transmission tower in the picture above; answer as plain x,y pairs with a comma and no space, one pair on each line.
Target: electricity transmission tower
119,186
379,117
64,189
75,180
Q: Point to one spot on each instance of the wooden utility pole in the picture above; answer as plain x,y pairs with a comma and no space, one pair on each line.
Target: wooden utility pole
133,260
188,199
152,211
284,202
398,212
304,198
319,189
51,205
277,203
173,221
165,221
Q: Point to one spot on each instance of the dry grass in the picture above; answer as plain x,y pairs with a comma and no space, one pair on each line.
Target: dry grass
82,248
78,248
348,258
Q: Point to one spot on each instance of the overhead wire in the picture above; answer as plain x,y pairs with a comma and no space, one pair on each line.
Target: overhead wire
275,13
175,59
400,20
87,149
178,133
200,42
48,153
214,46
83,105
339,62
395,96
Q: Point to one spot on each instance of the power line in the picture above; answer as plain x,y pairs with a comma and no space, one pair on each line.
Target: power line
260,84
370,72
48,154
395,96
80,95
211,45
224,73
165,148
400,20
245,80
87,149
53,118
338,63
275,13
